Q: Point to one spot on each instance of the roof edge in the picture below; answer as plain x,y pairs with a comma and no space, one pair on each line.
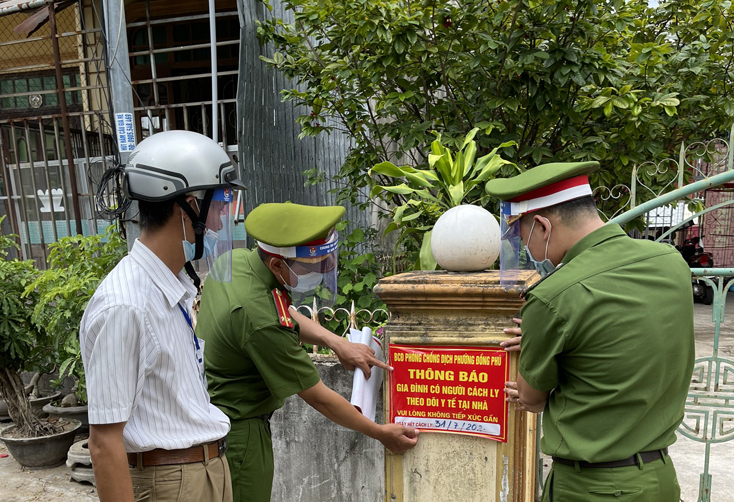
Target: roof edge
15,6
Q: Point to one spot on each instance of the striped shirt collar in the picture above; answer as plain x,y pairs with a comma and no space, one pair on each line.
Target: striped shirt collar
174,288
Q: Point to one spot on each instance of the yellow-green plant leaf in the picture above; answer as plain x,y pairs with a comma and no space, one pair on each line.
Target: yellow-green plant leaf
401,189
469,154
391,227
397,217
505,145
443,166
436,147
599,101
427,261
608,109
376,190
470,136
457,168
426,195
387,169
491,168
412,216
669,100
418,179
482,162
620,103
457,193
431,175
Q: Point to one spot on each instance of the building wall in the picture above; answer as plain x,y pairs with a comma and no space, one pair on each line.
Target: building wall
37,52
319,461
718,228
272,158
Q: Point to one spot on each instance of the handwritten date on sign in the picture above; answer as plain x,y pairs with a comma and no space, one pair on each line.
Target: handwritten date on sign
461,384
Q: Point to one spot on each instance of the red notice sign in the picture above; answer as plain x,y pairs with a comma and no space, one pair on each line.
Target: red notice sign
450,389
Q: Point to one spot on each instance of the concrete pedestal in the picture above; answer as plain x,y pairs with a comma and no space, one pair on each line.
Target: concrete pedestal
472,309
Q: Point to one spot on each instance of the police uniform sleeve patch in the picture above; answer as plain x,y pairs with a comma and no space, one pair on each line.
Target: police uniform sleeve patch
282,302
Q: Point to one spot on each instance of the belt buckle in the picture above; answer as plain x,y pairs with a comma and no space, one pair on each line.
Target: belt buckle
222,445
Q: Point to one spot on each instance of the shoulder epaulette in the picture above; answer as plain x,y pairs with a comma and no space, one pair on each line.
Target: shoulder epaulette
282,302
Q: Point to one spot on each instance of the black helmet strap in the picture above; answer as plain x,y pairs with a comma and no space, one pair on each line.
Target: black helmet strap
199,224
192,273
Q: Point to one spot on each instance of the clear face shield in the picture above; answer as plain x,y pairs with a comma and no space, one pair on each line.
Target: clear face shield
314,273
218,236
513,257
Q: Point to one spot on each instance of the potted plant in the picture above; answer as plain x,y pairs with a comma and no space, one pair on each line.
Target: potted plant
32,390
34,442
76,266
72,405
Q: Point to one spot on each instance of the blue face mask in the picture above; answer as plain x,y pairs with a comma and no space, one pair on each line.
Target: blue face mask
544,267
189,250
211,238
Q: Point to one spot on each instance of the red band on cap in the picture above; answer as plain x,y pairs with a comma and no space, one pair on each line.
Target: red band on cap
317,242
556,187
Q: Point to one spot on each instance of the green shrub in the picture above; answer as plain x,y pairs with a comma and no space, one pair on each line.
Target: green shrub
76,266
24,344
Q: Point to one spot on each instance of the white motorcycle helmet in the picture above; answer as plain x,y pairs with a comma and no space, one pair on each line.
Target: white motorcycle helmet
174,164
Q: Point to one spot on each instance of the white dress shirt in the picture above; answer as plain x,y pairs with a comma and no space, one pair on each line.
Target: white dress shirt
140,358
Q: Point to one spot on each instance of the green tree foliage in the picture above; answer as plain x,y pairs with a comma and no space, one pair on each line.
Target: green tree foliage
76,266
24,345
613,81
21,340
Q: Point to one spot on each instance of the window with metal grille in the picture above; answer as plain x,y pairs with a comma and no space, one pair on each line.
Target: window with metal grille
25,95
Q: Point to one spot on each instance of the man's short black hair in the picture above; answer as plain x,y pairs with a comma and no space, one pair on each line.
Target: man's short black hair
265,257
570,211
154,215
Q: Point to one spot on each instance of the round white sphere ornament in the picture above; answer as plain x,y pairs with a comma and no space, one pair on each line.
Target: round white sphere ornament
466,239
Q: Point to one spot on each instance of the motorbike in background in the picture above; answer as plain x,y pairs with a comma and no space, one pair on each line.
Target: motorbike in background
696,257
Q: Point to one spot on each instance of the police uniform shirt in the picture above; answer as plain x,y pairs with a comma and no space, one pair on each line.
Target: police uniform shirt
610,334
253,361
140,358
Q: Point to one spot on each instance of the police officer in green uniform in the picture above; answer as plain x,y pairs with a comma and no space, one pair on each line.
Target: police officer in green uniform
607,339
253,356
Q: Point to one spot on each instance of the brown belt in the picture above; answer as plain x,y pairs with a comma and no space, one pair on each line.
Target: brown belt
645,456
184,456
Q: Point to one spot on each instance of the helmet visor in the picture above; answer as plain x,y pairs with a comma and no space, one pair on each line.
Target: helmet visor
512,252
218,237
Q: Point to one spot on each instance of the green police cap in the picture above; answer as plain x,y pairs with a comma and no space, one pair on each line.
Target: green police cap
544,186
287,225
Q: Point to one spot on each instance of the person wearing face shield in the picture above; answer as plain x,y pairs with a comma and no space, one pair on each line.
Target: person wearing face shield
152,424
254,360
605,338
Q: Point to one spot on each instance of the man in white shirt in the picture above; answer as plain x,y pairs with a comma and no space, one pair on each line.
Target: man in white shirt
154,435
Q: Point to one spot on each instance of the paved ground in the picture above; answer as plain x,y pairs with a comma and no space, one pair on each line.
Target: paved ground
689,455
19,485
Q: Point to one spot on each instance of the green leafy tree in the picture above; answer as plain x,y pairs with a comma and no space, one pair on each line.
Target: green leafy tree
76,266
613,81
23,343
